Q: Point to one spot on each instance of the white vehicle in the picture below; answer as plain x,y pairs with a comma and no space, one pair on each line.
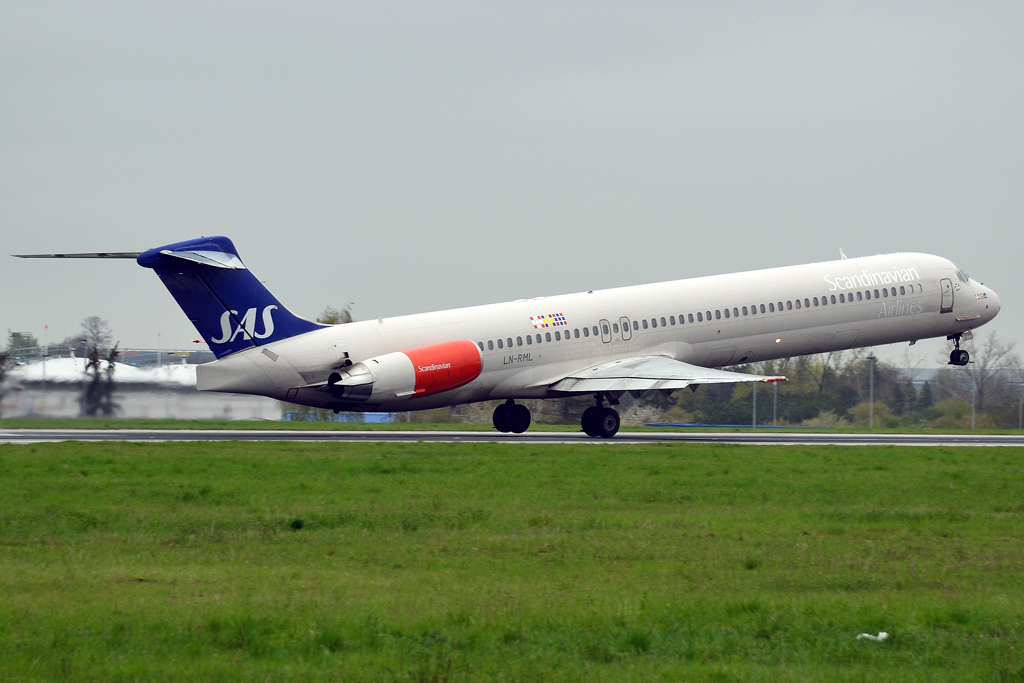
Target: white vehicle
662,337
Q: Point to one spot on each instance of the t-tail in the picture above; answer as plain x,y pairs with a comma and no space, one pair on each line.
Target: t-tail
230,308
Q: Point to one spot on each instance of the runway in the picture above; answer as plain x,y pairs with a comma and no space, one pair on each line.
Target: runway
25,436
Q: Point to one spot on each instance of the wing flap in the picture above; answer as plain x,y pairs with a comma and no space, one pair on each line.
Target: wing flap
646,373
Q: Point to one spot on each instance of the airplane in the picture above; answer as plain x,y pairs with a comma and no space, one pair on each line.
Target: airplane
603,343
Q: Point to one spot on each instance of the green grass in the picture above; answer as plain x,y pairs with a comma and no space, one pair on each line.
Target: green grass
448,562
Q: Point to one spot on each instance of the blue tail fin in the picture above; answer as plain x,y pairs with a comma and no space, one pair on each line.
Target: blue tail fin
230,308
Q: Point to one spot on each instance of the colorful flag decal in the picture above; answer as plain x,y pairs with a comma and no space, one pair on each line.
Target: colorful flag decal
548,320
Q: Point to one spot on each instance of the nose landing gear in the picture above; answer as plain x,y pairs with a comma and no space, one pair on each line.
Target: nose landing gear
511,417
600,421
958,356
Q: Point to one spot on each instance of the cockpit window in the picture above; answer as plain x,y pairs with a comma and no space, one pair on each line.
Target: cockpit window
962,276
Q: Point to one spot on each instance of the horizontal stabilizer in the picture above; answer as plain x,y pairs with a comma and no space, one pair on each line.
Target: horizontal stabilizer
95,254
645,373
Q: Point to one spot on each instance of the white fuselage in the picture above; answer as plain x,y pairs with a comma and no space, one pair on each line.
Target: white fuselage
708,321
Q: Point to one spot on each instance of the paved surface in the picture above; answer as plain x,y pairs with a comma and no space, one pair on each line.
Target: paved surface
776,438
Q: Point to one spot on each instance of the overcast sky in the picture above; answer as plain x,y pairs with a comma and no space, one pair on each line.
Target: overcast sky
414,157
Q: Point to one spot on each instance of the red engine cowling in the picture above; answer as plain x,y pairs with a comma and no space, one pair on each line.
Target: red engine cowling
445,366
422,371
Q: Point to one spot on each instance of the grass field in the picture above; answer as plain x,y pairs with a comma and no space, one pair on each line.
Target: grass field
445,562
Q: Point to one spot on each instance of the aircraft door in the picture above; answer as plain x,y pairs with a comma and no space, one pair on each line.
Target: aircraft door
946,285
606,331
627,333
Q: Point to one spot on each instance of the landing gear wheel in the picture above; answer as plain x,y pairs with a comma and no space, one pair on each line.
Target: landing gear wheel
519,419
608,423
959,357
502,418
589,420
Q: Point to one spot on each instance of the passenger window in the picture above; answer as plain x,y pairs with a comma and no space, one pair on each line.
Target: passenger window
547,336
876,293
718,314
842,298
744,310
807,303
499,344
519,341
645,323
789,305
490,345
586,331
481,345
834,298
815,301
780,306
538,338
727,313
700,317
735,312
920,288
604,328
529,340
762,308
595,330
903,290
672,320
558,336
654,322
576,333
636,325
859,297
867,294
885,291
771,308
824,301
798,304
707,314
663,322
615,328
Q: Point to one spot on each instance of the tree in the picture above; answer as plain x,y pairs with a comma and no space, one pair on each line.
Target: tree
22,340
332,316
4,357
97,333
926,400
993,362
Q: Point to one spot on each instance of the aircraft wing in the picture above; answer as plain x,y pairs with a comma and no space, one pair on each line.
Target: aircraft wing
649,372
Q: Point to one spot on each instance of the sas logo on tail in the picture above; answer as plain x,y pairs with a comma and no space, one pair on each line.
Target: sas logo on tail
247,327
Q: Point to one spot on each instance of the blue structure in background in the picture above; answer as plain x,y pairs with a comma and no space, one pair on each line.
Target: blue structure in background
700,424
304,416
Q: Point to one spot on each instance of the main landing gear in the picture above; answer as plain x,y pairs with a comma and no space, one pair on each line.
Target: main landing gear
600,421
958,356
511,417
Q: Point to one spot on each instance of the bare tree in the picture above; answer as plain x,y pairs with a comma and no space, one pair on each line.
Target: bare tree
4,358
97,333
993,366
332,316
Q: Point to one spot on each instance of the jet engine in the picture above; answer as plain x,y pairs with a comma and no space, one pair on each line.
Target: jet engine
422,371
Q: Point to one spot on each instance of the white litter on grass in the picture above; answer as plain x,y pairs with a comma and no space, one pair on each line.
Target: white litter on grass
882,635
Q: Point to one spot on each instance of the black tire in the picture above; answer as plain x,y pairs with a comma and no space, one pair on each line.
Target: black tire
501,419
589,420
608,423
519,419
962,357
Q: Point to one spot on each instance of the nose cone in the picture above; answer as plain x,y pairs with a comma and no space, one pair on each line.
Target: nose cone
991,302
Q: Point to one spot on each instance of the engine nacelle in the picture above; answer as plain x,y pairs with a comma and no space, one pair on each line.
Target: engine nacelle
422,371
